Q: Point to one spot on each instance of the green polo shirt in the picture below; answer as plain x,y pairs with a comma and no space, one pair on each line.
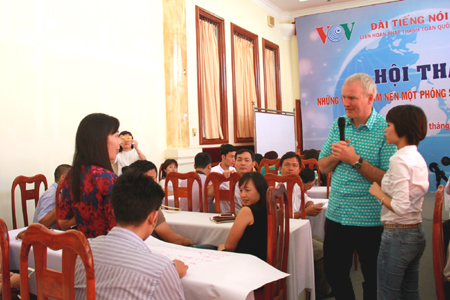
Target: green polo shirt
350,202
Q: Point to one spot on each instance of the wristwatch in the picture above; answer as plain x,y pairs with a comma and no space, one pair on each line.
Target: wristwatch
358,164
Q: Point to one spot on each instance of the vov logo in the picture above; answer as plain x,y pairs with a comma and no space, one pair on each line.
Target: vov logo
335,33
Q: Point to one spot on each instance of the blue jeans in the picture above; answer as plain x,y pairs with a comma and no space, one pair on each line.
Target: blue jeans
398,263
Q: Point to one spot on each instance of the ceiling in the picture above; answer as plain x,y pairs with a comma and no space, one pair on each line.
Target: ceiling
288,10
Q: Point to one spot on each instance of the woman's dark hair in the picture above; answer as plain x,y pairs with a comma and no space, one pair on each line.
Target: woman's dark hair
409,121
123,133
91,146
260,185
167,163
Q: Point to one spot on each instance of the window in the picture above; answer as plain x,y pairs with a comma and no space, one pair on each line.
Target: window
271,63
246,90
211,76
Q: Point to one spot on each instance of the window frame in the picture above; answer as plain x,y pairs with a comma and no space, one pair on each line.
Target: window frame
220,22
276,49
235,29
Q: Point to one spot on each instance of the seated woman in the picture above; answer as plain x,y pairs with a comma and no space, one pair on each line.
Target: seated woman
170,165
249,231
86,192
128,153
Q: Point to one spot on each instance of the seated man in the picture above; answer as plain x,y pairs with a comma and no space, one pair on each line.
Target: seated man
45,212
202,165
245,162
162,230
125,268
290,164
227,154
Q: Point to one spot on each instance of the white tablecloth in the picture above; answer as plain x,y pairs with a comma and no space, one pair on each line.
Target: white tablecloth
199,228
319,192
211,274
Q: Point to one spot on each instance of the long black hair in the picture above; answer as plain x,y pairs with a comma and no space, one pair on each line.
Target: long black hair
91,146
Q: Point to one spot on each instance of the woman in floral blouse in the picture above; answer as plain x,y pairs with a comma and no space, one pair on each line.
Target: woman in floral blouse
86,192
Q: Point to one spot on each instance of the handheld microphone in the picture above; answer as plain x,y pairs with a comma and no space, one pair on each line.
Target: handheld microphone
445,161
341,124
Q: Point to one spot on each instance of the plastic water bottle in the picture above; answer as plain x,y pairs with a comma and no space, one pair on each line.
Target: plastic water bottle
316,177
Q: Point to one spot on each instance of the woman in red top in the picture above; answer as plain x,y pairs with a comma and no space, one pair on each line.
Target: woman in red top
86,192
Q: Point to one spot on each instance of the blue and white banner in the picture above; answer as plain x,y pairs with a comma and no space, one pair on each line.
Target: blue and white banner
404,46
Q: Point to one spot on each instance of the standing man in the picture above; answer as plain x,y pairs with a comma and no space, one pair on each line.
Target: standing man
227,154
353,215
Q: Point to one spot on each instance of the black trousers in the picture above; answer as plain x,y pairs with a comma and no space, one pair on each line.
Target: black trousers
339,245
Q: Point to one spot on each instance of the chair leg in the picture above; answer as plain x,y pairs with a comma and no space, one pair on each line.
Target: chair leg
355,256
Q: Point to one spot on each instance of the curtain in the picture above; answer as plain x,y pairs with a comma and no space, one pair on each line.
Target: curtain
210,81
269,65
245,86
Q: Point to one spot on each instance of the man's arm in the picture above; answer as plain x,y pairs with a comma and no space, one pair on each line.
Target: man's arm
67,223
328,164
49,219
343,152
166,233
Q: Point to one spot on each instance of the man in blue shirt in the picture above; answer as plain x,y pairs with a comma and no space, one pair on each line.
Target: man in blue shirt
353,215
45,212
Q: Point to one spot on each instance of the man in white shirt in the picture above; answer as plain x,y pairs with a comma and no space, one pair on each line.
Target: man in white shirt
45,212
227,154
290,164
245,162
125,268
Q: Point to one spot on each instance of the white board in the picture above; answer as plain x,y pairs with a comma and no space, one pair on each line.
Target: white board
274,132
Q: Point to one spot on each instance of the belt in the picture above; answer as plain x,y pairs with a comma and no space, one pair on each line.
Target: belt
402,226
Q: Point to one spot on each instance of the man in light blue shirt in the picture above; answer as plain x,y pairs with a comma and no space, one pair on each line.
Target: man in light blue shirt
45,212
353,215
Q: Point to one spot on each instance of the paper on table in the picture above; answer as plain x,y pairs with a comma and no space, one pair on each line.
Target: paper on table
226,275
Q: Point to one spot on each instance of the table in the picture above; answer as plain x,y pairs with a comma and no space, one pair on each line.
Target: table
319,192
201,230
239,274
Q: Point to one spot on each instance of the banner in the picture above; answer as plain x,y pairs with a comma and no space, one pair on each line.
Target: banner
404,46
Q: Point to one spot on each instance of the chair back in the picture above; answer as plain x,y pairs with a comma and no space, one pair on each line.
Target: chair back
57,201
184,191
438,245
26,194
4,244
266,163
328,183
221,195
312,164
160,172
51,283
291,181
278,239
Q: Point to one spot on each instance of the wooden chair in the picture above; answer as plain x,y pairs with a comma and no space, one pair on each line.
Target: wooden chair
277,240
51,283
160,172
4,244
266,163
290,181
221,195
184,191
57,201
438,245
26,194
310,164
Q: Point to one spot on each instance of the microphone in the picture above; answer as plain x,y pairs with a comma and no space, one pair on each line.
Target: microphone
445,161
341,124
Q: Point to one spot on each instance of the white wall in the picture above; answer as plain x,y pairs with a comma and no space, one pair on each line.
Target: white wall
61,60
